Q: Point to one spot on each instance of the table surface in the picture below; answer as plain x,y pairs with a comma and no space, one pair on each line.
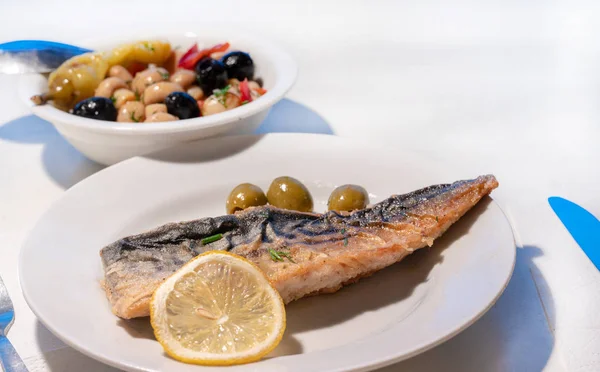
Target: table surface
505,87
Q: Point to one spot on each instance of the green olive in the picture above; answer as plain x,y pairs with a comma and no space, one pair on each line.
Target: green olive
244,196
289,193
348,198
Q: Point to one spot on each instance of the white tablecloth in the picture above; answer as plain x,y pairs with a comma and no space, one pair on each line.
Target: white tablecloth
504,87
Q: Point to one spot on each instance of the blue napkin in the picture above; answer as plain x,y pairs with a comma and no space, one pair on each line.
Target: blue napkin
581,224
51,54
36,45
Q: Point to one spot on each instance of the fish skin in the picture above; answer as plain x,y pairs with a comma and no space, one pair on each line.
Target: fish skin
324,251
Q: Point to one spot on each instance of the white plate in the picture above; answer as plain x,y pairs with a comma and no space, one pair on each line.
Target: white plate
396,313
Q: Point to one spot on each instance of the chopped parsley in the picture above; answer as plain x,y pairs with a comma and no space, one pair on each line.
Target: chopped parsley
244,102
275,255
220,94
137,95
149,47
437,219
165,75
113,99
279,255
134,118
343,232
211,239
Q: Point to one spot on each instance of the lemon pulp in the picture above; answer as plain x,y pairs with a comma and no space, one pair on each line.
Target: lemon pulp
218,309
223,310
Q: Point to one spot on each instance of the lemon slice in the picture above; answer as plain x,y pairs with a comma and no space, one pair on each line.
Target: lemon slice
218,309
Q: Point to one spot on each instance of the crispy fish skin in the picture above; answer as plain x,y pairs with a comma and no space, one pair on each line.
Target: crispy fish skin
324,251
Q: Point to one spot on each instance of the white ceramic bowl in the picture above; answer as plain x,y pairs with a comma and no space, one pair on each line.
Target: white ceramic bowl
110,142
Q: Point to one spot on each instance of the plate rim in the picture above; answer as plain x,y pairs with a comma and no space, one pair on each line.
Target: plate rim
380,362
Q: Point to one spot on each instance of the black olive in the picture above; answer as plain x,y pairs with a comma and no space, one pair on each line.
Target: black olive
239,65
182,105
211,75
98,108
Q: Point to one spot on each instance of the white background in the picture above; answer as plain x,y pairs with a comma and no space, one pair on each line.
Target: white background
504,87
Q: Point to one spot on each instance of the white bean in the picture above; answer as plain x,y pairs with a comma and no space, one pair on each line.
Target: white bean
253,85
231,101
121,96
154,108
156,93
185,78
144,79
131,112
161,116
120,72
212,106
108,86
196,92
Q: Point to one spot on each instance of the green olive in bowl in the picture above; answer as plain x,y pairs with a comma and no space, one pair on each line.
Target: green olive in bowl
289,193
245,196
348,198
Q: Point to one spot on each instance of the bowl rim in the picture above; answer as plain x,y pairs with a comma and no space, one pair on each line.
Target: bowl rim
286,71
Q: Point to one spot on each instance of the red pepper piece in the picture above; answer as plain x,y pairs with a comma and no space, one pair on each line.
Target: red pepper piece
245,92
192,56
260,91
192,51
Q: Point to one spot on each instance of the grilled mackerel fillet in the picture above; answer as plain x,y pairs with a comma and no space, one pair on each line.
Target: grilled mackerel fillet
324,251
